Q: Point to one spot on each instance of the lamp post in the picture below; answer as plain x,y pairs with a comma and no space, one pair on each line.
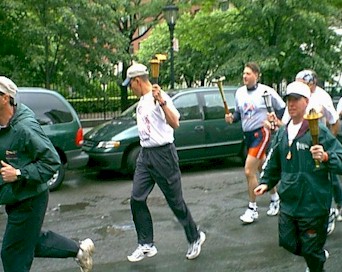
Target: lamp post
170,15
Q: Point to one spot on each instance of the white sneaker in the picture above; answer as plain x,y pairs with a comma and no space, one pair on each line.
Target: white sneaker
274,207
194,249
331,223
84,257
141,252
250,215
326,253
339,214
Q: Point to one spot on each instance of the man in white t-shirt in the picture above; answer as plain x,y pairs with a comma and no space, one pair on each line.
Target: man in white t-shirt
157,163
251,109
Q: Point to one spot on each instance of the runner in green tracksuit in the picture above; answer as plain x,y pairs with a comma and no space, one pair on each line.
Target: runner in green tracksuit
27,161
305,191
25,146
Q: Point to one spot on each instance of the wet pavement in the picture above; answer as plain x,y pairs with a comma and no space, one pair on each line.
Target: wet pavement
97,206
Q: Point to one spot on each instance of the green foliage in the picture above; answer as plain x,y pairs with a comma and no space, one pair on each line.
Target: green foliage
283,36
76,45
287,36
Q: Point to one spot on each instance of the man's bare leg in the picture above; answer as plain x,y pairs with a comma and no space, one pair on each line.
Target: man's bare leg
251,169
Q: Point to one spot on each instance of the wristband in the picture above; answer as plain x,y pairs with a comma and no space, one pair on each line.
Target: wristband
162,104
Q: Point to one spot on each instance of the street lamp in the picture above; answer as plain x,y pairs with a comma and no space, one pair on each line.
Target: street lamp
170,15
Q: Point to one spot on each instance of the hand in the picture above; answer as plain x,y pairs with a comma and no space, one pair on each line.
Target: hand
272,122
8,172
268,125
260,190
229,118
156,92
318,153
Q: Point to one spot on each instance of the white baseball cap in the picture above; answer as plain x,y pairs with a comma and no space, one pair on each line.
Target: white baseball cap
136,69
298,89
308,76
7,86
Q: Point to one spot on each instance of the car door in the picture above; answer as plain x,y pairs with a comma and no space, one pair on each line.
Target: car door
189,136
221,139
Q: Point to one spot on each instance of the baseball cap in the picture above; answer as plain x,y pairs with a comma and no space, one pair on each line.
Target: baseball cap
136,69
308,76
298,89
7,86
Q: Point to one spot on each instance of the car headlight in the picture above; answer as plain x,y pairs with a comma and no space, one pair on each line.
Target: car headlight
108,144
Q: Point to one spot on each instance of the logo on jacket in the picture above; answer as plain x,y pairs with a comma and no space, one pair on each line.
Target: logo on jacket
302,146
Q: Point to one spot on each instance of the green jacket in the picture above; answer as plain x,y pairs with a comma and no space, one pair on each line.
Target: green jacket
24,145
305,191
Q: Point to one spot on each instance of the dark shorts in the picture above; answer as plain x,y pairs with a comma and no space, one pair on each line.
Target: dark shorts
257,142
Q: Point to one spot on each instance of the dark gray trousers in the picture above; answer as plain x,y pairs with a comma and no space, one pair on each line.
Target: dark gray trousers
159,165
305,237
23,239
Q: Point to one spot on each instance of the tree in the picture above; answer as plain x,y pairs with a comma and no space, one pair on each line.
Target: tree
134,19
287,36
60,42
201,47
282,36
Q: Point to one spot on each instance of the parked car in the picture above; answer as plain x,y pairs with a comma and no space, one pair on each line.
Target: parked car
203,133
61,124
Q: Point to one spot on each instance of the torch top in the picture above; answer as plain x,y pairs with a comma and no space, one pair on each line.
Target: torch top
313,115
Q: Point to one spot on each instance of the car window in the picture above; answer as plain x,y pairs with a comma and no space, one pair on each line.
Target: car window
213,104
48,108
187,106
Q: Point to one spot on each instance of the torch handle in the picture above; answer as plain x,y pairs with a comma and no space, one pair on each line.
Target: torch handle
220,87
315,142
226,109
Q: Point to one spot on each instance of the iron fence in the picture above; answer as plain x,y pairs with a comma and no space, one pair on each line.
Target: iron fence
98,108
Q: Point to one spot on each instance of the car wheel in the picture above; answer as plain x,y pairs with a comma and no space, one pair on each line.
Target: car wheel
56,181
132,159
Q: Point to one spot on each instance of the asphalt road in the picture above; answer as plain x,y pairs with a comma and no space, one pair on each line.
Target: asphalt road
97,206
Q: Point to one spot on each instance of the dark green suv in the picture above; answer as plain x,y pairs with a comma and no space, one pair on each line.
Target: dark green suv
203,133
61,124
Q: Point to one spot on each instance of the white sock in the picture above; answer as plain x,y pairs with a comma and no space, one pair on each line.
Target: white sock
252,205
275,196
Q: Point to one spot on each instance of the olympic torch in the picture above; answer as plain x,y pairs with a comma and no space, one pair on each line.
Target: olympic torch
155,63
268,102
220,87
313,118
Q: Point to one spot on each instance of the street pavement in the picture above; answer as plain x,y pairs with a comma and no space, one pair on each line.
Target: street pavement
97,206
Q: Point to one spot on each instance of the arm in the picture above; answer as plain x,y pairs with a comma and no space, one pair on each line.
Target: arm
232,118
41,160
271,169
171,113
171,117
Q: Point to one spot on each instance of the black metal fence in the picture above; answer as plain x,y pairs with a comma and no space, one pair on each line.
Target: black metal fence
98,108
